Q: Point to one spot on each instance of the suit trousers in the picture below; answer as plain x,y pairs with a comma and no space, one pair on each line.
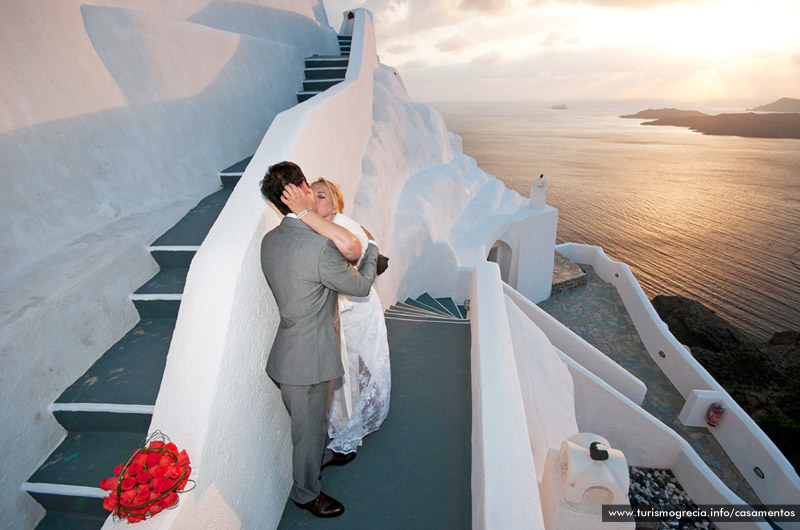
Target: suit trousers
308,407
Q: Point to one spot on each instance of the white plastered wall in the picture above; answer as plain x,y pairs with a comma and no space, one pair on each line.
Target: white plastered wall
117,117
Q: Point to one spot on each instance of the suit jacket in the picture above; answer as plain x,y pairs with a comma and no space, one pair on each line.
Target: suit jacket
306,273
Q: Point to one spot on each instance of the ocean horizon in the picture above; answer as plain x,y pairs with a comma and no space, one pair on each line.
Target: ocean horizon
712,218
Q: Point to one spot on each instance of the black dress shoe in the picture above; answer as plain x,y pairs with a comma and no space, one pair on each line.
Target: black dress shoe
323,506
340,459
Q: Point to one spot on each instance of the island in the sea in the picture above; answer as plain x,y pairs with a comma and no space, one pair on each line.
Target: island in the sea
749,124
559,107
782,105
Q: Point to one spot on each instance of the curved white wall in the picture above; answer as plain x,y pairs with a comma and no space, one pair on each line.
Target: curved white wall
743,440
230,418
116,117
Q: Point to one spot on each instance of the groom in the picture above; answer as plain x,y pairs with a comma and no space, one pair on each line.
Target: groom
306,273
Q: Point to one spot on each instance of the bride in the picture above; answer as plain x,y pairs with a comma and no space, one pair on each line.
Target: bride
361,397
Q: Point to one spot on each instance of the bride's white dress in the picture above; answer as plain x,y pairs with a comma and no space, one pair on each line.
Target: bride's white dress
361,397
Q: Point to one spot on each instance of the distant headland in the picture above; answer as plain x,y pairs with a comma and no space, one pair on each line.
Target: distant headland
782,124
782,105
559,107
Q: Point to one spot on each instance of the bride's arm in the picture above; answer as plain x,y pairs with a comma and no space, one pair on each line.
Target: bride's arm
345,242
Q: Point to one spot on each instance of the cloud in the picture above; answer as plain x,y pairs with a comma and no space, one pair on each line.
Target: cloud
401,48
456,43
492,57
491,6
415,64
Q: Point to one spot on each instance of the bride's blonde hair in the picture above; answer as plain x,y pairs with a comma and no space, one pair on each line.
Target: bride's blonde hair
334,193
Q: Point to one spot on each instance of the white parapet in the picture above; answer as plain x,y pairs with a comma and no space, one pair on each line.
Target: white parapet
577,482
695,409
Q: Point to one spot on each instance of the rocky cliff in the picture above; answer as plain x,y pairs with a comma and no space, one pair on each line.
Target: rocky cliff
763,377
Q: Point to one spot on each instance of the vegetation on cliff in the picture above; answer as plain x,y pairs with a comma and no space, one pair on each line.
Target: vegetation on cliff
763,377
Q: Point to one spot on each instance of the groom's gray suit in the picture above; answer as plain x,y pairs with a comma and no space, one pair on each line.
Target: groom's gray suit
306,273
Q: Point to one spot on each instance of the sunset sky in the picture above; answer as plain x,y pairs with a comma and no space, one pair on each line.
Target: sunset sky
476,50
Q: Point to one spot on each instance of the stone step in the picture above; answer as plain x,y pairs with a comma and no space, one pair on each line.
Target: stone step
56,520
128,373
173,257
311,85
420,305
566,275
390,315
332,61
305,95
405,308
326,72
166,281
230,175
69,480
195,225
450,305
344,38
433,303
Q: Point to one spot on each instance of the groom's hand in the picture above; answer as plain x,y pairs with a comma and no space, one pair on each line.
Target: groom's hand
296,199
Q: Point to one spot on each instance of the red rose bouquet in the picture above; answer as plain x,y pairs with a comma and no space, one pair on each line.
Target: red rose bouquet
149,481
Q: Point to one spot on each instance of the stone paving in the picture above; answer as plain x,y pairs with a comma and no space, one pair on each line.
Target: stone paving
596,313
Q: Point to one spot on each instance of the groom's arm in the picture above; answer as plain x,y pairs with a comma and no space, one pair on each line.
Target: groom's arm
337,274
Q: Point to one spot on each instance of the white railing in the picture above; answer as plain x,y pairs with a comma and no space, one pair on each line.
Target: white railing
743,440
505,493
216,400
579,350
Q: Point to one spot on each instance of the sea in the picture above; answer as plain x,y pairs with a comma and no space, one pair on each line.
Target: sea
713,218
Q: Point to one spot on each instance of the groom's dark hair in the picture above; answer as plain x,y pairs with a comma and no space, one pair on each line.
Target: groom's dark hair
278,176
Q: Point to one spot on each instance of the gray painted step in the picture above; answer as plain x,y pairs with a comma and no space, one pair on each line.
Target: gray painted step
450,305
85,458
420,305
57,520
310,85
329,61
174,257
406,307
305,95
193,228
130,371
414,472
337,72
230,175
166,281
430,301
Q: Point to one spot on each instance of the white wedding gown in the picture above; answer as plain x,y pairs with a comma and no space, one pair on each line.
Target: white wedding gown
361,397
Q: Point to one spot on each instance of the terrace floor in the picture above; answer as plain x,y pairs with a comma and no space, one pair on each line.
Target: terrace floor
596,313
414,472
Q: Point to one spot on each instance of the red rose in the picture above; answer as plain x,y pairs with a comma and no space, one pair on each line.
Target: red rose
142,494
169,499
127,497
161,484
183,458
110,502
109,483
166,460
128,483
173,472
158,471
172,448
134,468
117,469
156,443
153,458
143,477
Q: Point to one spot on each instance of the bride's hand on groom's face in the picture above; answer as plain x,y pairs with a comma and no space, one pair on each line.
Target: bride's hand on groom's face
296,199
